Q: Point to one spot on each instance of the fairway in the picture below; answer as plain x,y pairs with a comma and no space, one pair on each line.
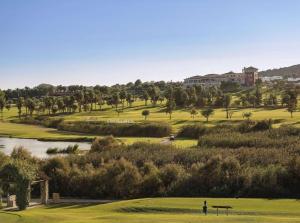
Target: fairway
158,210
180,117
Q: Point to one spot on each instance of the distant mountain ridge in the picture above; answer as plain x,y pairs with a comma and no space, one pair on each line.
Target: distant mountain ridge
292,71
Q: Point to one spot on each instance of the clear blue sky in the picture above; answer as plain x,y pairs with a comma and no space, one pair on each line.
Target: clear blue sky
116,41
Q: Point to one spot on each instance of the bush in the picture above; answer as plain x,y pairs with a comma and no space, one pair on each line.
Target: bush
145,129
41,120
69,150
105,143
192,131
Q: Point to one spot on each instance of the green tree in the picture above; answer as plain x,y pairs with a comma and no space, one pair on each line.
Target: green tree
247,115
8,105
226,104
48,101
154,93
123,95
61,105
20,103
2,103
115,99
292,107
79,97
193,113
145,96
129,99
30,105
170,106
145,113
207,113
22,172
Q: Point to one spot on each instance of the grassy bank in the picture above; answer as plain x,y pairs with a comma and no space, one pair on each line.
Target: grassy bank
158,210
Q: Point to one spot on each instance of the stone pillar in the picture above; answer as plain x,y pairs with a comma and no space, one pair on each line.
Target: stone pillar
11,201
55,198
44,191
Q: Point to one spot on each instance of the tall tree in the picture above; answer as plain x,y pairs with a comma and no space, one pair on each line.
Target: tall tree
193,113
20,103
226,104
123,95
145,96
79,96
170,106
115,99
2,103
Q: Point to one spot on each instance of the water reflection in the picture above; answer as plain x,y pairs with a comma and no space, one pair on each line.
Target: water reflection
37,148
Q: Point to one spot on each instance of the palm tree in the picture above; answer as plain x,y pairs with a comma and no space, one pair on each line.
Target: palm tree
30,105
20,103
79,96
2,104
123,96
115,100
8,105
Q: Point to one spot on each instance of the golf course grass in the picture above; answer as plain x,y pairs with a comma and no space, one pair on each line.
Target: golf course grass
156,210
180,117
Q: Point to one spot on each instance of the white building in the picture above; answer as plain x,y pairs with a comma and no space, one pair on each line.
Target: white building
291,79
270,79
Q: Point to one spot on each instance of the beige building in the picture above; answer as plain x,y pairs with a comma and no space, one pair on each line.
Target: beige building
247,78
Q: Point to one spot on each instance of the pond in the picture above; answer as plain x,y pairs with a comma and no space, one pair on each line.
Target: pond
37,148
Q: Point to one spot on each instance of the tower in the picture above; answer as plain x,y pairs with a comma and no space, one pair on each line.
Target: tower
251,76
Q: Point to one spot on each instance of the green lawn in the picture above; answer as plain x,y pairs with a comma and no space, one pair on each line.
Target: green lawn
183,210
180,117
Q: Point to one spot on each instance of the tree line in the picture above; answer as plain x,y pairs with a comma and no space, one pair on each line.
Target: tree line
46,99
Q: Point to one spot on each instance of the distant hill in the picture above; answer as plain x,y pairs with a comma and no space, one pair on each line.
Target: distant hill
292,71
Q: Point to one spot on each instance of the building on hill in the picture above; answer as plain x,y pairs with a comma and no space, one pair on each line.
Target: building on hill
270,79
208,80
250,75
247,78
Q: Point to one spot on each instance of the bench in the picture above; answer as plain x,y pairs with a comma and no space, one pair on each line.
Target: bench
222,207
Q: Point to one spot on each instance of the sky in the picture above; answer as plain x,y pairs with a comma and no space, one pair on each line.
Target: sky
105,42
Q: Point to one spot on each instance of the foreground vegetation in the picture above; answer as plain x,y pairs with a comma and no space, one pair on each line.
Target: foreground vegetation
158,210
249,160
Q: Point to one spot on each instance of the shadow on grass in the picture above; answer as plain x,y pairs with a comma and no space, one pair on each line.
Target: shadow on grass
70,206
157,210
11,212
211,211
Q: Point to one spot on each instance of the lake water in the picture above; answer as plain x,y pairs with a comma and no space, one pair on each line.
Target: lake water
37,148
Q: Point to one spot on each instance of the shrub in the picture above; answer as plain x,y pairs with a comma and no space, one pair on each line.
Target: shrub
192,131
105,143
69,150
145,129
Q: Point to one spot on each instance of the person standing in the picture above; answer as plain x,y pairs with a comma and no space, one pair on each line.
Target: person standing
205,208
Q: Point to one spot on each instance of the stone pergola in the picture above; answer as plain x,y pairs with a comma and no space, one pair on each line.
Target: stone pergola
44,188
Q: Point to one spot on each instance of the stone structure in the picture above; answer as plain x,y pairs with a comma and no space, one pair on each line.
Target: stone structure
11,201
44,191
251,76
247,78
55,198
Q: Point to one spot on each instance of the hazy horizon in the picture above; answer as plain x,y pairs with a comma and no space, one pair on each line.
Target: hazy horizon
98,42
